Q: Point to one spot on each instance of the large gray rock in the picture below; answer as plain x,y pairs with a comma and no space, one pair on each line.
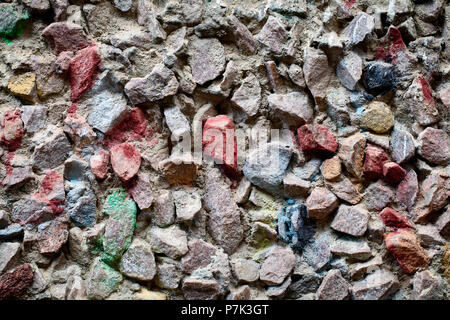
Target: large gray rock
265,167
358,29
177,122
157,85
248,96
349,70
294,108
273,35
138,262
402,146
224,216
9,255
207,59
52,152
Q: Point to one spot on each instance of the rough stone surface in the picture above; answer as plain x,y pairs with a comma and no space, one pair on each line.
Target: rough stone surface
293,108
138,262
351,153
207,59
320,203
350,220
333,287
277,266
434,146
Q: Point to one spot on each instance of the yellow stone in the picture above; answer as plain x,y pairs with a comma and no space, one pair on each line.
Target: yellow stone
331,168
145,294
23,86
377,117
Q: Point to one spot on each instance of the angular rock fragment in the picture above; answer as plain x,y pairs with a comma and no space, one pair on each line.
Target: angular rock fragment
421,103
99,164
277,266
393,173
265,167
295,187
224,217
125,160
23,86
200,289
427,286
83,70
349,70
102,280
9,254
14,284
164,209
378,77
245,270
354,249
405,247
273,35
321,203
316,138
376,286
81,203
402,146
358,29
345,190
317,73
138,262
248,96
157,85
373,163
187,204
177,122
351,153
206,59
244,38
331,168
350,220
65,36
141,192
394,219
434,146
294,108
52,236
433,195
378,117
179,169
200,255
378,196
333,287
170,241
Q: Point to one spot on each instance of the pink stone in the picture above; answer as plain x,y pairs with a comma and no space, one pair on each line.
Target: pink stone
434,146
141,191
13,131
219,142
374,161
394,219
393,173
316,138
125,160
62,36
52,237
407,189
99,164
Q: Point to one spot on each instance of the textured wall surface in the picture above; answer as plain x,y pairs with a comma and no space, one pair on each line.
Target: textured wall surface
224,149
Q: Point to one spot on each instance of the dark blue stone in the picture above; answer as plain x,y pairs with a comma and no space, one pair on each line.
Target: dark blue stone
379,77
293,225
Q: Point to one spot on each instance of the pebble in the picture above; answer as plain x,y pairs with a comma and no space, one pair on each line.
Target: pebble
102,280
248,96
164,209
293,108
295,187
171,241
265,167
394,219
125,161
23,86
402,146
206,59
427,286
316,138
376,286
358,29
168,274
434,146
138,262
331,168
349,70
99,164
429,236
378,117
119,226
374,160
245,270
273,35
224,217
81,203
15,284
350,220
351,153
123,5
277,266
157,85
200,255
295,73
321,203
433,195
200,289
421,103
359,270
333,287
405,247
393,173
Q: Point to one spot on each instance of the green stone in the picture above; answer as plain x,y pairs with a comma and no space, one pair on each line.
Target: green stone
119,227
12,23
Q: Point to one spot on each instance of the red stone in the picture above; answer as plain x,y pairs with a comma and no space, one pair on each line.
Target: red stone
219,142
125,160
62,36
83,69
14,284
316,138
374,161
52,191
391,46
393,173
99,164
13,132
394,219
405,247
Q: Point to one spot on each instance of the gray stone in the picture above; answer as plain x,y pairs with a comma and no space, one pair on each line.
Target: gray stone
241,293
265,167
294,108
17,177
224,217
11,232
358,250
106,102
9,255
171,241
200,255
317,253
351,153
358,29
157,85
333,287
200,289
244,38
279,291
177,122
81,203
350,220
206,59
243,191
295,187
358,270
443,223
52,152
138,262
378,196
147,17
37,5
434,146
187,203
273,35
248,96
402,146
245,270
295,73
164,209
75,288
123,5
142,192
345,190
427,286
349,70
317,73
376,286
429,236
277,266
168,274
78,246
34,117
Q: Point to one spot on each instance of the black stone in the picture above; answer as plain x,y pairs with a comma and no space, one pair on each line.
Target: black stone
379,77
